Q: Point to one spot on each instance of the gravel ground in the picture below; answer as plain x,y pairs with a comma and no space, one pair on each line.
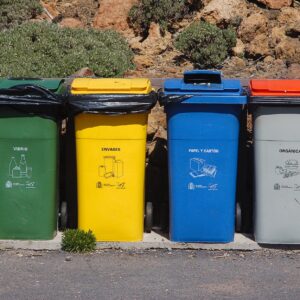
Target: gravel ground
154,274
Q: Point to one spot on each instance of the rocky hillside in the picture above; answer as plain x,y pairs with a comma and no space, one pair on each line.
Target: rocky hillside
268,34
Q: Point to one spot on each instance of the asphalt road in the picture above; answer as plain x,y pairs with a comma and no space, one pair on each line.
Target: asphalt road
150,275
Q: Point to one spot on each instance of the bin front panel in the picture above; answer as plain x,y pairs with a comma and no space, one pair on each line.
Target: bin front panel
277,175
277,123
111,174
192,121
28,178
277,192
112,127
203,144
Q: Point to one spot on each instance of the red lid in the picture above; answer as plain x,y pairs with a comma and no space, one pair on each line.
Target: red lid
275,87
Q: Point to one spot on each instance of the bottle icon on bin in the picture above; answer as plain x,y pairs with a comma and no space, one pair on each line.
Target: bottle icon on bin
20,170
111,168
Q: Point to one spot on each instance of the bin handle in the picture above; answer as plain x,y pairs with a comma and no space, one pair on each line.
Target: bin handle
202,78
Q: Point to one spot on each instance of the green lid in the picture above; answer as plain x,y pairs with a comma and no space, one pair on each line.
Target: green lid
51,84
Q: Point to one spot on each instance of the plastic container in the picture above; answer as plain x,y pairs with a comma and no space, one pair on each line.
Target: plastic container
110,128
203,113
30,111
276,117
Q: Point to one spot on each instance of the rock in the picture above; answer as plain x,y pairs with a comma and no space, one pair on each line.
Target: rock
289,19
293,30
252,26
289,50
222,12
143,61
113,14
238,63
277,35
239,49
156,43
259,47
293,71
51,10
156,121
71,23
276,4
269,59
289,16
84,72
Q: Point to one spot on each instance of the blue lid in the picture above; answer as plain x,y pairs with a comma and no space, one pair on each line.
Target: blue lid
207,87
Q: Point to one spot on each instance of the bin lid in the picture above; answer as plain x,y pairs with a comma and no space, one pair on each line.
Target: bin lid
50,84
112,96
44,98
95,86
204,87
274,91
273,87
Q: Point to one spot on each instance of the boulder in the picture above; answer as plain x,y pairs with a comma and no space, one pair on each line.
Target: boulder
293,71
252,26
276,4
222,12
289,50
84,72
289,16
259,47
156,43
113,14
239,49
277,35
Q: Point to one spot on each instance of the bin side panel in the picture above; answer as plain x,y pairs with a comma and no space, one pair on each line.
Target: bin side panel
186,121
28,188
277,192
111,153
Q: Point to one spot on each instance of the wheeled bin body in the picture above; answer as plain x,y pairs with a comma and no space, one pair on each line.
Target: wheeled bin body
110,130
203,129
276,117
29,114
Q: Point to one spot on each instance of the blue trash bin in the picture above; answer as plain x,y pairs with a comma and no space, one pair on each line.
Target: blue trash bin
203,113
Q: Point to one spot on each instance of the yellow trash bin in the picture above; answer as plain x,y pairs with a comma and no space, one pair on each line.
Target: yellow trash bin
110,130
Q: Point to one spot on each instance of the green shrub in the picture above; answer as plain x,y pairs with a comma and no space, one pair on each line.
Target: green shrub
14,12
77,240
163,12
47,50
205,44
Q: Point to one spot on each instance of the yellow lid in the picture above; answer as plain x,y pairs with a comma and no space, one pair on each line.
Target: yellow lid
81,86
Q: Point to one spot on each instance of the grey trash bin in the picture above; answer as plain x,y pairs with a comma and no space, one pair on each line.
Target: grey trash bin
276,117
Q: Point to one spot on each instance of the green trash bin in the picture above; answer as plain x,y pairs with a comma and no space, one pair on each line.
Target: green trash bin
30,113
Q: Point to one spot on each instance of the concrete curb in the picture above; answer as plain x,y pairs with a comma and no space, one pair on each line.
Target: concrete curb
151,241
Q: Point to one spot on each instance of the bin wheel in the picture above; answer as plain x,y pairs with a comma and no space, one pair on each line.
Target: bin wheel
238,218
148,217
63,215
